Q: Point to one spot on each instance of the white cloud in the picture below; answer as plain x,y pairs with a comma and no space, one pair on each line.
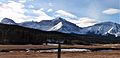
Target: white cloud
61,13
22,1
41,15
84,21
49,10
13,10
42,9
81,22
32,0
16,11
111,11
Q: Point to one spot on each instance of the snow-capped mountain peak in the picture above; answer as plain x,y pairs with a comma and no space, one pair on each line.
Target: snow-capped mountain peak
7,21
59,19
102,29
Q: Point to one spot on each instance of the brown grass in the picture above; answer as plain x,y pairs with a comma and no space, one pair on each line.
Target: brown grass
63,46
114,54
35,54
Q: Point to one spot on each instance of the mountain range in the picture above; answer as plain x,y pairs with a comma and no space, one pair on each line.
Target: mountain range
62,25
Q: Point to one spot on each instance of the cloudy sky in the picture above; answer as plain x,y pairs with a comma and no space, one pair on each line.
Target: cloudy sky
81,12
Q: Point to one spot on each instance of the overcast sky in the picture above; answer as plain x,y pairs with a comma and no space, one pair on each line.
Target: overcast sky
81,12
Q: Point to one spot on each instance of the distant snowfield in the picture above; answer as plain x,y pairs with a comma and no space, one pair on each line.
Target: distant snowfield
65,50
74,50
52,44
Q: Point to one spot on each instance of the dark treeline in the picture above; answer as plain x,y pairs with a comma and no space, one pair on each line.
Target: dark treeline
13,34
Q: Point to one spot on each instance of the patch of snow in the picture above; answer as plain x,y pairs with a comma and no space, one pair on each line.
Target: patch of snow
74,50
53,44
117,34
66,50
56,27
110,29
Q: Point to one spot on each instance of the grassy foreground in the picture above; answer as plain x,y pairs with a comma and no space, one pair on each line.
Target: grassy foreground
114,54
55,46
36,54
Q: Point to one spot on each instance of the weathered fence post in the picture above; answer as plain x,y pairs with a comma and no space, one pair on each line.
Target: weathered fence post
59,50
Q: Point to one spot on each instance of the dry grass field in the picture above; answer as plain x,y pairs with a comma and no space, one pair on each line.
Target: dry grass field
55,46
36,54
114,54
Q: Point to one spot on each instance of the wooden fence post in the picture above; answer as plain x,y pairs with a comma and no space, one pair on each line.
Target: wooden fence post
59,50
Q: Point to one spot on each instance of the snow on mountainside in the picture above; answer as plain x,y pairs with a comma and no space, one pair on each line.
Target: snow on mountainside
61,25
57,24
104,28
56,27
7,21
67,27
30,24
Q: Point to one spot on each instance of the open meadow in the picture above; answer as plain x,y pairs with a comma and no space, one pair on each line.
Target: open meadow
34,51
